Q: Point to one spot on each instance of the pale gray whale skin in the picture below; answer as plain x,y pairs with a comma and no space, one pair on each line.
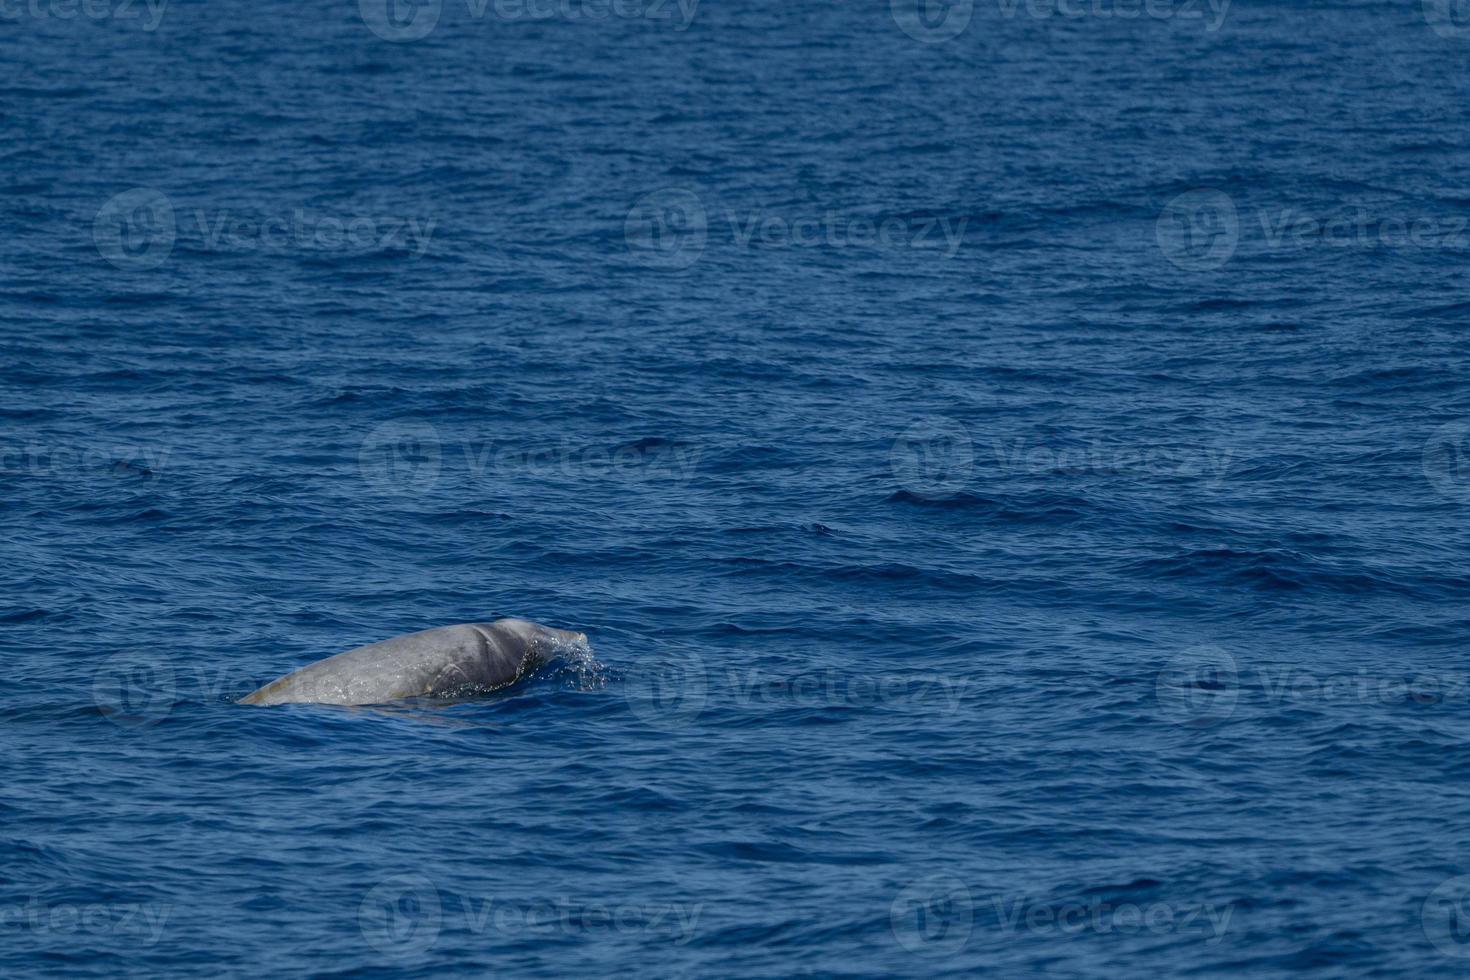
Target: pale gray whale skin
442,662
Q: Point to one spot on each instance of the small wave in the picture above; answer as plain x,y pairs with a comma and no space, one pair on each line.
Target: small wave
1269,569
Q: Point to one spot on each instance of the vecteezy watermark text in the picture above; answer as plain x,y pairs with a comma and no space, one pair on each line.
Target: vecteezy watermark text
670,229
147,13
145,920
406,20
938,914
1106,457
933,21
405,914
222,230
40,460
833,230
1201,230
1020,914
672,690
936,458
140,228
409,457
833,687
1205,684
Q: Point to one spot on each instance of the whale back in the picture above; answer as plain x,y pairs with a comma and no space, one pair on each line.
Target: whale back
438,662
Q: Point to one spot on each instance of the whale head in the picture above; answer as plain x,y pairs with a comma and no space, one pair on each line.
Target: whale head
542,643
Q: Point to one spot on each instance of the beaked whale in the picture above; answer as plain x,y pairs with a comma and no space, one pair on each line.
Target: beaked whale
444,662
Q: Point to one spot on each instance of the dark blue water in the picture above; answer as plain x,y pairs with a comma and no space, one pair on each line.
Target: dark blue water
1010,460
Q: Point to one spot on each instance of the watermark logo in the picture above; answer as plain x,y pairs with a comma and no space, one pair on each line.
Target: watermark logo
933,916
932,21
667,229
1198,231
134,690
137,690
135,229
670,692
1198,687
401,916
1448,18
933,458
1445,917
401,457
1446,460
401,20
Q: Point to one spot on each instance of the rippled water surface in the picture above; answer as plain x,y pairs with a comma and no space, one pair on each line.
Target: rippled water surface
1007,459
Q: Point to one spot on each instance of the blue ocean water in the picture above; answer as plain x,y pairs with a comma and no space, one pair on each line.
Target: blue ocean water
1007,457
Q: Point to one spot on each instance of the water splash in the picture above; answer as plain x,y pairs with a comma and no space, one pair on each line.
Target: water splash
577,663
